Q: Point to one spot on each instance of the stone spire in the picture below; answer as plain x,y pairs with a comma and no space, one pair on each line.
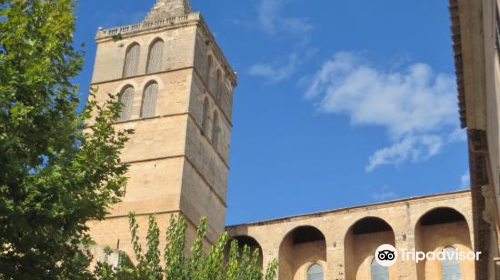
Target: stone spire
169,8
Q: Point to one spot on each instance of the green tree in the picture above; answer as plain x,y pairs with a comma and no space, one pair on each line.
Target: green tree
56,172
202,264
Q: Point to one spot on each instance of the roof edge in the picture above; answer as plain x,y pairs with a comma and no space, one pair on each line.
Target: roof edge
320,213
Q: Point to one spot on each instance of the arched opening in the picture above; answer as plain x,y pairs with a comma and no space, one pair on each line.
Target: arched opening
361,243
131,60
155,56
215,129
149,98
301,247
127,101
436,230
315,272
249,242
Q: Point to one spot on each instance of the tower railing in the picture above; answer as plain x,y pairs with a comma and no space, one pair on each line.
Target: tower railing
145,25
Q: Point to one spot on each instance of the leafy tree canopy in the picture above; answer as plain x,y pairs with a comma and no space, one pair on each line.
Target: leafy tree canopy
201,264
56,171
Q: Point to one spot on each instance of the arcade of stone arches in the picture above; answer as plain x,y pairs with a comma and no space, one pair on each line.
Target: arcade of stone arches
303,251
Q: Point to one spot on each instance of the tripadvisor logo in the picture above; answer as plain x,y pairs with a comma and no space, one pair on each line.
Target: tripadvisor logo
386,255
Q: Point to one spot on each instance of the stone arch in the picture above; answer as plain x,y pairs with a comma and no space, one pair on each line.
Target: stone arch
131,62
245,240
155,56
127,100
437,229
360,244
299,249
149,100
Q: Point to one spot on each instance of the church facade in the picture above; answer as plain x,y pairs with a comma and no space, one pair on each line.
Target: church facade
176,87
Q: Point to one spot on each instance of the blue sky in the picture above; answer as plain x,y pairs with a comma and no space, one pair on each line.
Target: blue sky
339,103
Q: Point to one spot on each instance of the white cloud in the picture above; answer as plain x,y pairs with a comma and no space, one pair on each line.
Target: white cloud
465,180
281,69
410,148
384,193
272,20
276,71
415,105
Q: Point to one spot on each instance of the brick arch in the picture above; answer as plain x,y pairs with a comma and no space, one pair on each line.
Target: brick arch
300,247
360,244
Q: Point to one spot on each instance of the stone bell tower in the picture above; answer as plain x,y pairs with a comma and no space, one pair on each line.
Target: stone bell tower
177,93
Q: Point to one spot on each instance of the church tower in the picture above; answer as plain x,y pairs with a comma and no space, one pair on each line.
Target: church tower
177,93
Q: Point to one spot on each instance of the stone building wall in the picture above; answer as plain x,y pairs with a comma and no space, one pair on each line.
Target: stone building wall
476,45
344,241
179,157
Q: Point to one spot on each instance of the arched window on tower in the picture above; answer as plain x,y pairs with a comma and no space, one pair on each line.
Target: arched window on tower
149,98
127,101
379,272
206,109
131,60
218,85
208,70
155,56
315,272
215,129
450,267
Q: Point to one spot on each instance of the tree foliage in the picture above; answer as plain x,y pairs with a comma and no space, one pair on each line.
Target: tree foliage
173,264
56,171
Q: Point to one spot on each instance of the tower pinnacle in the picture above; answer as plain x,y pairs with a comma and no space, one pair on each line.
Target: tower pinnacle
169,8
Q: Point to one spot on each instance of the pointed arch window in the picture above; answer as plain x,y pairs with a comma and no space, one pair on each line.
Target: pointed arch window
206,109
379,272
208,70
149,99
155,56
127,101
450,267
216,129
131,60
315,272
